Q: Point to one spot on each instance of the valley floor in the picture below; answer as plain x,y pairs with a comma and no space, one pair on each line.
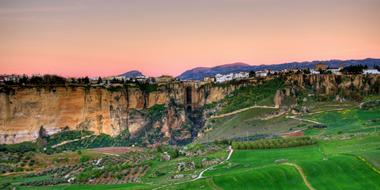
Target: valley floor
346,155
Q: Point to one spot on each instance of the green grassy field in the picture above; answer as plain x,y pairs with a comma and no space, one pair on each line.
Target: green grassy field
331,164
279,177
349,120
248,123
340,172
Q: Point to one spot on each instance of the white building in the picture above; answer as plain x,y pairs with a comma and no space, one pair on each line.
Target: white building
334,71
241,75
261,73
314,72
219,78
371,71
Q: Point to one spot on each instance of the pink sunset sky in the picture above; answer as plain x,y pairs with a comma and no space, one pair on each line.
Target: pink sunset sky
109,37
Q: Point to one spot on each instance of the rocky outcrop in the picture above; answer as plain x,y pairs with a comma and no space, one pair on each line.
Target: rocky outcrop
348,86
23,110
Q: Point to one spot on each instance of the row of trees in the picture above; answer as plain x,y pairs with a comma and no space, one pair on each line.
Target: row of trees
274,143
47,80
354,69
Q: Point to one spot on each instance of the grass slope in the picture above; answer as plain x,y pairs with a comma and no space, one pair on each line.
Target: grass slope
341,172
348,120
279,177
261,94
331,164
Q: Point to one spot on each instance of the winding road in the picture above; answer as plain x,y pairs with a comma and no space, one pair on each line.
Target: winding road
70,141
307,120
200,176
203,171
241,110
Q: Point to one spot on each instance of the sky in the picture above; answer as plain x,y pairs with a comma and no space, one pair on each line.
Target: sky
110,37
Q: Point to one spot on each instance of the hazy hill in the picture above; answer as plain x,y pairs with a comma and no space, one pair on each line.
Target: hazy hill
132,74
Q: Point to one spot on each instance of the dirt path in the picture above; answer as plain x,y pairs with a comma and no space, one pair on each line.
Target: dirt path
312,113
69,141
241,110
299,119
202,172
300,171
368,164
311,121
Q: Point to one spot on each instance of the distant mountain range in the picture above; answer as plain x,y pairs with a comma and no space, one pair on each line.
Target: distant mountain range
199,73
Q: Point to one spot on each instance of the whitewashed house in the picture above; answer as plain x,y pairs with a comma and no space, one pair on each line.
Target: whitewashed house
241,75
314,72
219,78
334,71
371,71
261,73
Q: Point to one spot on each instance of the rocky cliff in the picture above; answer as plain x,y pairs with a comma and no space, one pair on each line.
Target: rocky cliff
24,110
169,112
349,86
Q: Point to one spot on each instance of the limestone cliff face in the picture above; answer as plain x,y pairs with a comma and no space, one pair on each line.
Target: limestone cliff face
27,109
23,110
344,85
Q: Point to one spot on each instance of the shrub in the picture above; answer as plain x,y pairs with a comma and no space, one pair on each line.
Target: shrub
84,158
19,148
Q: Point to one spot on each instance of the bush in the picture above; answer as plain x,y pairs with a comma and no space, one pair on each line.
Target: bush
85,158
19,148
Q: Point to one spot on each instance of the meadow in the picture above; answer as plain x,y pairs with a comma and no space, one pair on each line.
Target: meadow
333,164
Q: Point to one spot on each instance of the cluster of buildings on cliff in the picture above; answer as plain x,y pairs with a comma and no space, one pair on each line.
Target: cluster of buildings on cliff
319,69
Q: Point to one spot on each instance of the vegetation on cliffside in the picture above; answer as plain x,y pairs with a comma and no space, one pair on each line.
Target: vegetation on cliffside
261,94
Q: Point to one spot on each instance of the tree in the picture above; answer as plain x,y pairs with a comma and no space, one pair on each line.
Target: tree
42,133
354,69
100,80
252,73
86,80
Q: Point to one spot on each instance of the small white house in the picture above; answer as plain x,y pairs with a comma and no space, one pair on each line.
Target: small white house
241,75
371,71
219,78
334,71
261,73
314,72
